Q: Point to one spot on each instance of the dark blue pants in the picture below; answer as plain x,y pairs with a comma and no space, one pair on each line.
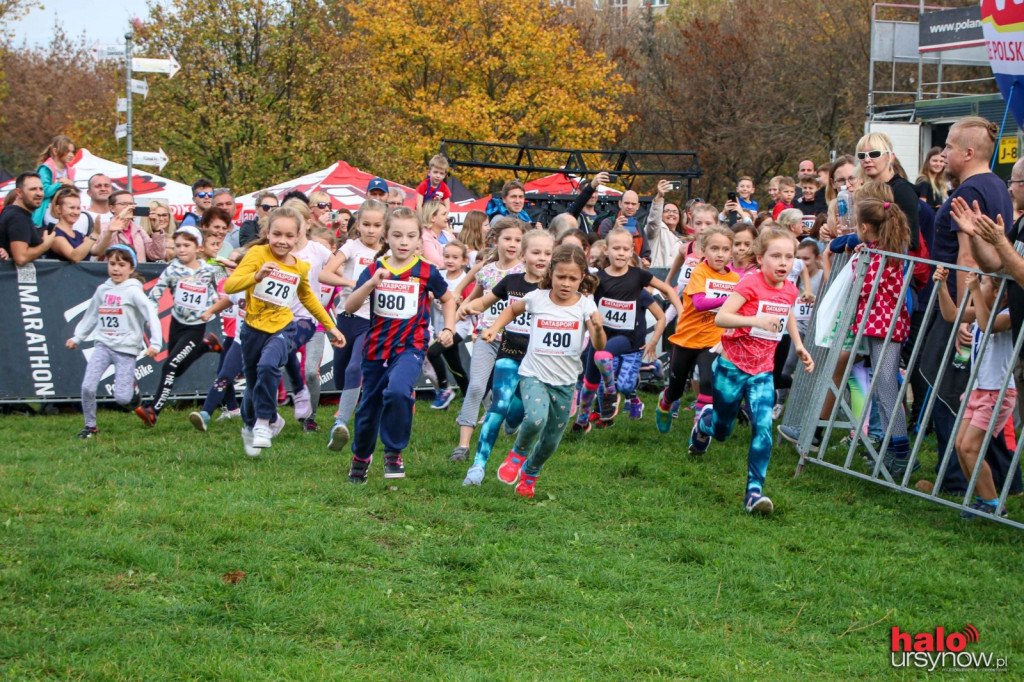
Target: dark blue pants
263,355
386,403
347,360
224,385
617,345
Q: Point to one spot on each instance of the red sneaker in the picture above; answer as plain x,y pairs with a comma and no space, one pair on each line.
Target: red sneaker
213,343
147,415
526,484
509,470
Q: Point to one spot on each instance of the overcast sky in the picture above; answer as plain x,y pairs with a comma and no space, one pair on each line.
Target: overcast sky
104,21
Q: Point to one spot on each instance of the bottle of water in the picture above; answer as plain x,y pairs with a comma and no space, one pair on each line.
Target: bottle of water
843,202
962,358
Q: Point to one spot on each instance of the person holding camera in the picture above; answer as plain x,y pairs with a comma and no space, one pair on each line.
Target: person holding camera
121,229
626,219
664,242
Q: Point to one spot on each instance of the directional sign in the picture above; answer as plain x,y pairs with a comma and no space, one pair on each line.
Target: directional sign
168,66
150,159
101,52
122,104
121,131
140,88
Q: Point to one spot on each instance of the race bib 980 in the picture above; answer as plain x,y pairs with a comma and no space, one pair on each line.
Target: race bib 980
396,299
277,288
557,337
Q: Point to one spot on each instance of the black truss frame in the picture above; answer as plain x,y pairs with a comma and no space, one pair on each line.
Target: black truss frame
524,159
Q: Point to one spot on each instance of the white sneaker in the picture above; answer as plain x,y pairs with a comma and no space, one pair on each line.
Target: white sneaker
475,476
776,412
339,436
226,414
277,426
261,436
302,404
247,443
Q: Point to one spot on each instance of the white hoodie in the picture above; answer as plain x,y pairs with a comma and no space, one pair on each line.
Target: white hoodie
117,318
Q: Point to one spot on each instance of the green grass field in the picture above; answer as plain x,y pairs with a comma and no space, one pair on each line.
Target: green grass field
634,561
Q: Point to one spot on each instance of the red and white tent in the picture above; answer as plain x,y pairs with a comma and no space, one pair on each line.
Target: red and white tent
145,185
345,184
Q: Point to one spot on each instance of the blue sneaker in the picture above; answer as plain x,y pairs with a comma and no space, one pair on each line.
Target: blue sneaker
442,399
698,441
756,503
675,410
982,508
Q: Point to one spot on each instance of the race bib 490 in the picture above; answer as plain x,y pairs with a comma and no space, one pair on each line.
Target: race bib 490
557,337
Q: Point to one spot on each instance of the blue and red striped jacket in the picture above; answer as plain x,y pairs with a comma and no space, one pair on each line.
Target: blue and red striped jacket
400,308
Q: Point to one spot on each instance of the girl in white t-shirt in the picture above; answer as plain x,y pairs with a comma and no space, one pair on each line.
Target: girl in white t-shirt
562,311
343,270
993,367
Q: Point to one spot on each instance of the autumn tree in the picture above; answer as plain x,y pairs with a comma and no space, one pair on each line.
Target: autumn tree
484,70
51,90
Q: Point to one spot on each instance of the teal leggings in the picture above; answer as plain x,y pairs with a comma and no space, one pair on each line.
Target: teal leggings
546,410
731,384
506,406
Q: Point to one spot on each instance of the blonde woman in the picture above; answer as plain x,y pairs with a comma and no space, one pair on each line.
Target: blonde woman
160,221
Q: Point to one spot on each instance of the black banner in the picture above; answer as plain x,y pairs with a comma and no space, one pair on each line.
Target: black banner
42,304
950,29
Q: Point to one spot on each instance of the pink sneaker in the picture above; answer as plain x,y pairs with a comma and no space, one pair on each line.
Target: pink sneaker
508,472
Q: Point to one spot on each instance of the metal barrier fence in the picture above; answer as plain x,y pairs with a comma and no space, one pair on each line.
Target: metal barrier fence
810,390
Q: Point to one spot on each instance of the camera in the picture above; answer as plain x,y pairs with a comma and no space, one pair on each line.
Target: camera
613,177
141,211
675,185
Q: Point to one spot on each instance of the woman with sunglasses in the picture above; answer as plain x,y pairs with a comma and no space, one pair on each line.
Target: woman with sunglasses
878,162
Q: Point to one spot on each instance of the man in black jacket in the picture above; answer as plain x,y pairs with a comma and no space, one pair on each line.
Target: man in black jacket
583,207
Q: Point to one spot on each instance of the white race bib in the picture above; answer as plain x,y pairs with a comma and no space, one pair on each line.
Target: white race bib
112,322
492,313
803,311
325,294
688,266
556,337
777,310
396,299
277,288
361,263
717,288
190,296
521,323
619,315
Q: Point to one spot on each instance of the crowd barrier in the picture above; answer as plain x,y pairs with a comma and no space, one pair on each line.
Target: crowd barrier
933,351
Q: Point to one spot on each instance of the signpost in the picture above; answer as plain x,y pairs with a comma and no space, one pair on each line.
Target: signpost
158,159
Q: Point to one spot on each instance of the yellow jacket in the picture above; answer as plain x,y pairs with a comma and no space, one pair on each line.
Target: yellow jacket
267,302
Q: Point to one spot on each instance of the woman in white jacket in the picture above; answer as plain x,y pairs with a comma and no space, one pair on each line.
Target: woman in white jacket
663,240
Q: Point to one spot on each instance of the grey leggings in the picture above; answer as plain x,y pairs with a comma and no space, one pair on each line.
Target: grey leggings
886,367
479,372
314,354
124,379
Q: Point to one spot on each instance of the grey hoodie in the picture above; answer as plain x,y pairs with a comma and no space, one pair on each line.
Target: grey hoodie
117,318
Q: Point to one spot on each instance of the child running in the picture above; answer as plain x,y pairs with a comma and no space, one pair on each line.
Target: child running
618,299
115,320
343,270
193,286
756,312
396,343
993,367
506,404
696,333
507,233
439,355
271,278
562,312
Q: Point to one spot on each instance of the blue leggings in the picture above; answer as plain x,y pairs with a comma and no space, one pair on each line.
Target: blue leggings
617,346
506,406
224,385
731,384
627,372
